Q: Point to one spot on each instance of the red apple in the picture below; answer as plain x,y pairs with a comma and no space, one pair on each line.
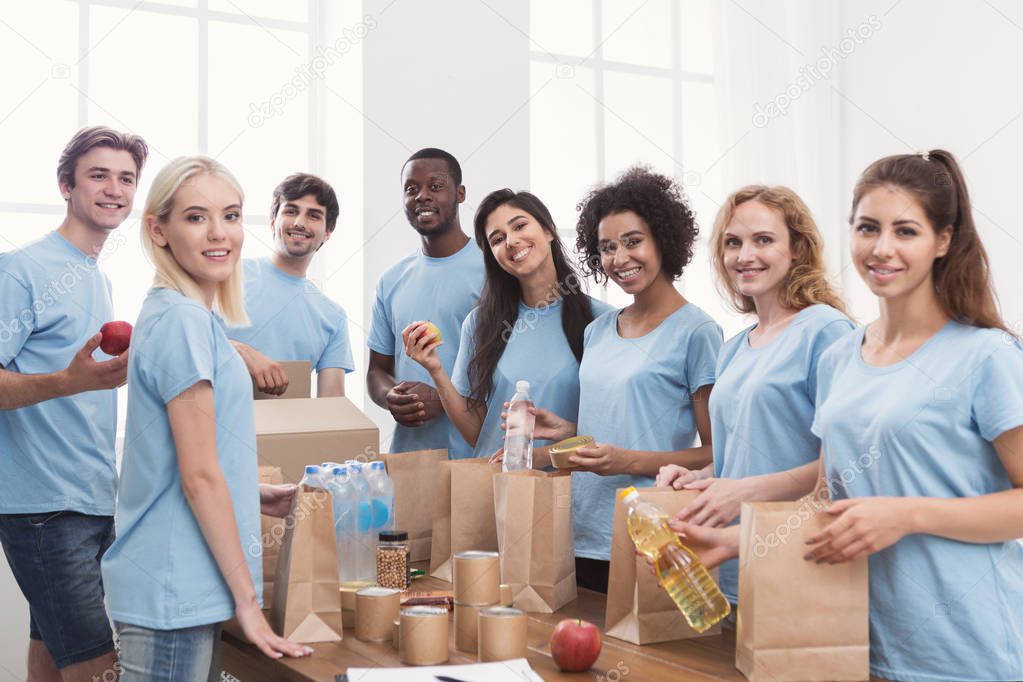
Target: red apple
575,645
116,337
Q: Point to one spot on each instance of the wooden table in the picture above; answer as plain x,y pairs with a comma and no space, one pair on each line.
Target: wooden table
703,658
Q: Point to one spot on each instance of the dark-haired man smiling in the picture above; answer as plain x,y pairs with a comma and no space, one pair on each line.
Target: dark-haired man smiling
291,318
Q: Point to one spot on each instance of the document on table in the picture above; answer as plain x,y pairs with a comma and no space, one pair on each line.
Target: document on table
514,670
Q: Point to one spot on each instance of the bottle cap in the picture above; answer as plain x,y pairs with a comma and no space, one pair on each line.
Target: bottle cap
628,494
311,469
339,471
393,535
377,465
522,386
354,466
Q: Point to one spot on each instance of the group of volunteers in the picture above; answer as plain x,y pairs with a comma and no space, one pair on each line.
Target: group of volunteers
906,428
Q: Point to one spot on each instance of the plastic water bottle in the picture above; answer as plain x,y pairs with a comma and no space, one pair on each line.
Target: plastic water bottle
313,477
346,509
680,572
518,443
383,496
367,539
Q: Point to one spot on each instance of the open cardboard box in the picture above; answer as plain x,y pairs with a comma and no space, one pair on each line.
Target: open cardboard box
293,433
299,381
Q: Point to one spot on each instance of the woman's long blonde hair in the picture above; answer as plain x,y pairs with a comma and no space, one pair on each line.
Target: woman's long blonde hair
806,283
229,300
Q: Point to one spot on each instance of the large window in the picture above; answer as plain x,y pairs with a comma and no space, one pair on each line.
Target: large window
620,82
171,71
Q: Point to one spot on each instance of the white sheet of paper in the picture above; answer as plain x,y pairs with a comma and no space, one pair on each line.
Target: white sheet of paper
514,670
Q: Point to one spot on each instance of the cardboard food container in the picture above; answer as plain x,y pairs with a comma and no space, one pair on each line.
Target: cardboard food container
293,433
563,449
299,381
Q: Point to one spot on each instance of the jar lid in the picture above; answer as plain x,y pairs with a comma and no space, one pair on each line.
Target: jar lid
393,535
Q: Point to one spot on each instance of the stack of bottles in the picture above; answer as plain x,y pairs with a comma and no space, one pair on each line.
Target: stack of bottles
362,497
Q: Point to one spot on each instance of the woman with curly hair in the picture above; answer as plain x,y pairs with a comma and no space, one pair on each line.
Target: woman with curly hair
768,256
647,370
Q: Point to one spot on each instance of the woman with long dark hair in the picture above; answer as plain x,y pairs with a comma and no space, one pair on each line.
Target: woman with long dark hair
528,325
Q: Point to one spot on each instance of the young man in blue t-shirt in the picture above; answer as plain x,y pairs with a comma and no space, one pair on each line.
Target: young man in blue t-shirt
440,282
291,318
58,410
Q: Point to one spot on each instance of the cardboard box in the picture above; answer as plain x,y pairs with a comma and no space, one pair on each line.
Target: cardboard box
293,433
299,382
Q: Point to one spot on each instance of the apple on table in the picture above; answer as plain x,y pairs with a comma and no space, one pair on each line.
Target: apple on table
575,645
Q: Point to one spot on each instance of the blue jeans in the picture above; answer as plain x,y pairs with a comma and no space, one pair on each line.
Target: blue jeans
55,559
184,655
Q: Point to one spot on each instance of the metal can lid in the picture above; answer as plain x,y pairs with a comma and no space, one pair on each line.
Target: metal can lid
501,611
393,535
423,611
572,444
476,554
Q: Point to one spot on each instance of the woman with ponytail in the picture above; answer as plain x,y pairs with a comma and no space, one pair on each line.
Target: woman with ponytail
919,415
528,325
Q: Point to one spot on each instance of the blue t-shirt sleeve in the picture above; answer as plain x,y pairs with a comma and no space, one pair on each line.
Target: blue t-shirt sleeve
825,373
702,356
460,372
17,319
997,383
822,340
338,352
179,352
381,333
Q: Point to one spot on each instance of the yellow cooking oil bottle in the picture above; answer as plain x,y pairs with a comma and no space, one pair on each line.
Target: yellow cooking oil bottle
680,572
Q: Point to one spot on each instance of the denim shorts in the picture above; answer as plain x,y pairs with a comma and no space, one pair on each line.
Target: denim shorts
55,559
183,655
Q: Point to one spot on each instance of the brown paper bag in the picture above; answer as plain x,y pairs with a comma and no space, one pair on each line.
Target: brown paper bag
638,608
797,620
533,510
414,475
307,601
271,532
463,513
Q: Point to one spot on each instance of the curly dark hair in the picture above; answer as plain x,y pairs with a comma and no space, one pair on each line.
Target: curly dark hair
659,200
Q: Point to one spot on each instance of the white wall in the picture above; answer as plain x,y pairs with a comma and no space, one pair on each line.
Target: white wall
453,75
942,74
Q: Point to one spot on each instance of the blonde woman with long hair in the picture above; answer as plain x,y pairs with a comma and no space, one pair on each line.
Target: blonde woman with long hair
189,486
768,257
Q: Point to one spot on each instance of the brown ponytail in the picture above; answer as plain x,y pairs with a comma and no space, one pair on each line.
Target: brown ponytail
962,277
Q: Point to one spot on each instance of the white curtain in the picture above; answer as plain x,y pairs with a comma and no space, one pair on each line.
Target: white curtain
778,67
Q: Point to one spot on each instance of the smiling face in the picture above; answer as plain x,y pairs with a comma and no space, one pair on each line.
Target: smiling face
105,182
300,227
430,195
757,249
894,245
518,242
628,251
204,230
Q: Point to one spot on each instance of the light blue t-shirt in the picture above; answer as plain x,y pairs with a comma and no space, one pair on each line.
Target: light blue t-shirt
57,454
443,291
537,352
159,573
292,319
637,394
762,404
939,609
